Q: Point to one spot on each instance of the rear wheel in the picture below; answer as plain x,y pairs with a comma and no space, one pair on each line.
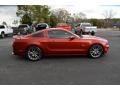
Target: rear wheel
2,34
34,53
96,51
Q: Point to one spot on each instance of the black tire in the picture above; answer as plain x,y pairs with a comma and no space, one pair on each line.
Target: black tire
96,51
81,32
34,53
2,35
92,33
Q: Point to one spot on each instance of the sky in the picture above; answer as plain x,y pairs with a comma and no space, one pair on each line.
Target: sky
92,8
8,14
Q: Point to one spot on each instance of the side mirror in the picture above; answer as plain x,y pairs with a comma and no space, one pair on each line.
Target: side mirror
72,37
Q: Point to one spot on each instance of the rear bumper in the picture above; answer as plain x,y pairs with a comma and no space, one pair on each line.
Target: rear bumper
17,50
19,53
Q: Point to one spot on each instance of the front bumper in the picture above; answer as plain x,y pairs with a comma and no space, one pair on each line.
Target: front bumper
106,49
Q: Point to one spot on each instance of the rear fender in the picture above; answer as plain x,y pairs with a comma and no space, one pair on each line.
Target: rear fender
35,44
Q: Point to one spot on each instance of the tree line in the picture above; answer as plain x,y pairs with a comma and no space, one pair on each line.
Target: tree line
30,14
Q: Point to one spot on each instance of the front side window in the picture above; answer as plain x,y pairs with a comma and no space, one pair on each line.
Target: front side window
59,34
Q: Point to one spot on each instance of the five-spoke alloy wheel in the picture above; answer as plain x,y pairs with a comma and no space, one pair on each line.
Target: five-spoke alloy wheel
96,51
34,53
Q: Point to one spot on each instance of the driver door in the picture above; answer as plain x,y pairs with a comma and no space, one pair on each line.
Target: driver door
63,42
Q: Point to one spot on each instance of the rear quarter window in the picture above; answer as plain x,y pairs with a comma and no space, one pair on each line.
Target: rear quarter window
38,35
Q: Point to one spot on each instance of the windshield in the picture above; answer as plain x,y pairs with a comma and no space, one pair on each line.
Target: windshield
1,26
22,26
42,25
74,34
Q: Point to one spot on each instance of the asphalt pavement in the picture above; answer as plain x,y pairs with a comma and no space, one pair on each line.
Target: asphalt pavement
70,70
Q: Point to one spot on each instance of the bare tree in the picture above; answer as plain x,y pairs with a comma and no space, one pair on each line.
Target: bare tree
79,16
108,15
61,14
15,22
4,23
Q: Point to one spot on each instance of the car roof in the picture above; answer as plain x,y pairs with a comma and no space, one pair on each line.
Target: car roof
49,29
23,25
85,23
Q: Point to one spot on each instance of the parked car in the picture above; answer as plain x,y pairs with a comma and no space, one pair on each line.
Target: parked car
85,28
55,41
64,26
41,26
5,30
23,29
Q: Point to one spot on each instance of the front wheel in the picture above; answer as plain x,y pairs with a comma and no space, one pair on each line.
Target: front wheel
96,51
34,53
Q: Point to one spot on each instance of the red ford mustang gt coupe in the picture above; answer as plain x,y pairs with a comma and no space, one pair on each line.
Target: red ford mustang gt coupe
56,41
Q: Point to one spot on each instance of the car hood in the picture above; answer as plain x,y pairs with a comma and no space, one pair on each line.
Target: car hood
94,38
